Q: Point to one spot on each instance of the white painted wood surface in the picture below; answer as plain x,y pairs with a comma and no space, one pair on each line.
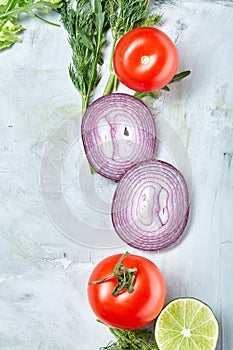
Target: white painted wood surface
43,274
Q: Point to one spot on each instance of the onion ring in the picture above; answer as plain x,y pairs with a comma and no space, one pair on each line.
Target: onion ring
150,207
118,131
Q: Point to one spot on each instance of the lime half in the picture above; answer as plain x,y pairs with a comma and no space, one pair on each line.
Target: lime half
186,324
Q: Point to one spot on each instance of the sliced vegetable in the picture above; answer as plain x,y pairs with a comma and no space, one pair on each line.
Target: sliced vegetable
151,205
118,131
145,59
126,291
186,324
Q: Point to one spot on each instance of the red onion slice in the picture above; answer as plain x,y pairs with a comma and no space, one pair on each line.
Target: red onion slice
151,205
118,131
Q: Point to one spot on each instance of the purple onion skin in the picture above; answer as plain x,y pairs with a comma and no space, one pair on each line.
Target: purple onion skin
118,131
150,208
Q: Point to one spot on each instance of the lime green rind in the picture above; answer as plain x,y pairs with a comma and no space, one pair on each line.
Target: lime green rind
191,315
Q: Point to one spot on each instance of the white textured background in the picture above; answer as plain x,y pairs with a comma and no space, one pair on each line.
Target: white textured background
43,274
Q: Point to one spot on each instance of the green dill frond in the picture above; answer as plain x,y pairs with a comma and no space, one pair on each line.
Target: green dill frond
150,21
85,24
124,15
130,340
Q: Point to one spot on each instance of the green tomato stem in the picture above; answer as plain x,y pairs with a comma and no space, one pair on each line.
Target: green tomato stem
125,277
109,85
115,83
112,80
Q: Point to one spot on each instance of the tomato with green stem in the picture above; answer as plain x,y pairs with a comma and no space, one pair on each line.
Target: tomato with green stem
145,59
126,291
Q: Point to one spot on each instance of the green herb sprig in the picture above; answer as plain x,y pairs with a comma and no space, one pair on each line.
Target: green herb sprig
139,339
11,9
85,25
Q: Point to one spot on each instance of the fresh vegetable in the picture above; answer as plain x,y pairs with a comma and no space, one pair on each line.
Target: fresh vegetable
87,26
145,59
126,291
151,205
123,16
138,339
186,324
10,10
118,131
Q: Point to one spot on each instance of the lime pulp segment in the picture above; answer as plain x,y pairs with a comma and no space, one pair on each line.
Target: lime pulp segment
186,324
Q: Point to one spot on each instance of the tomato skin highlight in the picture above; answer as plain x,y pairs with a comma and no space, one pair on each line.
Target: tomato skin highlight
127,310
145,59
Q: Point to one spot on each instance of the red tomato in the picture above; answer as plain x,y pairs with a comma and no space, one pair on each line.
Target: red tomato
127,310
145,59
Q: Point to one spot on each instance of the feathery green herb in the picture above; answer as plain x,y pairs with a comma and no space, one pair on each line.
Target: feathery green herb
138,339
85,25
124,15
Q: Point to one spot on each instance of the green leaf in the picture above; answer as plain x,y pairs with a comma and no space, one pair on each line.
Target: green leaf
144,94
3,6
176,78
86,40
7,5
99,19
5,44
150,21
3,2
10,26
166,88
8,30
58,2
46,21
180,76
13,8
100,59
10,9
